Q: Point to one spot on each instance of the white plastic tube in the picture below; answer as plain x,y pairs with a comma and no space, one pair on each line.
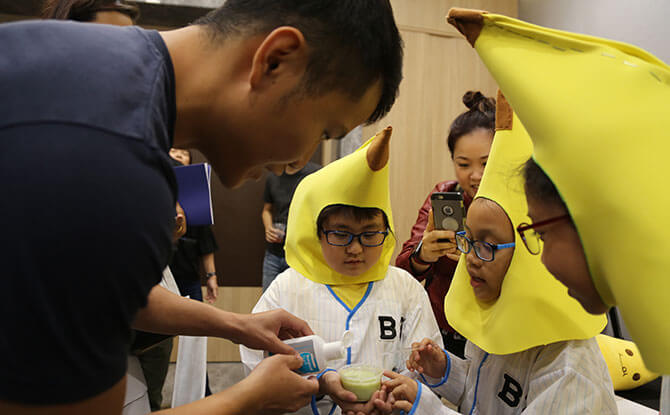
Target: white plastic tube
190,371
665,395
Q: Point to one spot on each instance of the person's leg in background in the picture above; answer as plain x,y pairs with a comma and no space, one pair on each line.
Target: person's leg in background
273,265
155,363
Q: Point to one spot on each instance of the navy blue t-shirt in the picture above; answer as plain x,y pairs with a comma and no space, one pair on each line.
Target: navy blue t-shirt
88,201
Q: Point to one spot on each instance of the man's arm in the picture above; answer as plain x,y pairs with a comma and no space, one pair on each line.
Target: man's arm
272,235
208,267
271,388
109,402
168,313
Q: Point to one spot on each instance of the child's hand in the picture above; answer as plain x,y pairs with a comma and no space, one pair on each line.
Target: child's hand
384,402
401,390
330,384
428,358
367,408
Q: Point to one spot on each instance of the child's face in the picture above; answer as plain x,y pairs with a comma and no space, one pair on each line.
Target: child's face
487,221
561,241
182,156
353,259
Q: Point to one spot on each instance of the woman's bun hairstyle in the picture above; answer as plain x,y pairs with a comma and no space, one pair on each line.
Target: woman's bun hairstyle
481,113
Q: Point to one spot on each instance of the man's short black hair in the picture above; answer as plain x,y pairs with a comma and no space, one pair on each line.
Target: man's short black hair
353,43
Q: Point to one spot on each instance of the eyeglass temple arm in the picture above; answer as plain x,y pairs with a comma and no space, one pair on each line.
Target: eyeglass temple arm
523,228
509,245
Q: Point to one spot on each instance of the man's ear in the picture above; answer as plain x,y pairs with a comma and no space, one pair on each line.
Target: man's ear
282,55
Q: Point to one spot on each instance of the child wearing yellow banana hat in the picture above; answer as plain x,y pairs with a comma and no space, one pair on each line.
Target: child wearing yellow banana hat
531,348
339,242
596,110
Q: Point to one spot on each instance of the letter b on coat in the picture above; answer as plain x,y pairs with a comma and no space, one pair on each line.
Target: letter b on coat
511,392
387,328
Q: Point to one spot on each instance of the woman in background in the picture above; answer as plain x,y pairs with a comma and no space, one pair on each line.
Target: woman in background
422,255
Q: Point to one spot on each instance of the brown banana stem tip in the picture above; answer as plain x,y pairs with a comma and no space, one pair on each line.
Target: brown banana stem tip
504,113
378,151
468,21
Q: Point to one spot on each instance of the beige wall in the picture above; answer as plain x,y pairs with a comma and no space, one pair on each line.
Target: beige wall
641,23
439,67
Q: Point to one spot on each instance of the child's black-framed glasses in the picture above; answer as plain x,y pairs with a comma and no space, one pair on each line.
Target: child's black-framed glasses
484,250
344,238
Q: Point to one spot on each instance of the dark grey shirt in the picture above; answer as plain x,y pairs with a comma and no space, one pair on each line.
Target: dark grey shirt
279,191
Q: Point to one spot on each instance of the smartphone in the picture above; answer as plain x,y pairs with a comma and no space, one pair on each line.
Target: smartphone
448,211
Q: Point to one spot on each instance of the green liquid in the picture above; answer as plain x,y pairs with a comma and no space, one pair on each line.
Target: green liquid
362,381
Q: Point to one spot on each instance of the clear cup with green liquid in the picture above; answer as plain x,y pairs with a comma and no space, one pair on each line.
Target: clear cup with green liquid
361,379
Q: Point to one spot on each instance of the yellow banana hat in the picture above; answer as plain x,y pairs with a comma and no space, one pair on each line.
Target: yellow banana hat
533,308
596,110
359,179
624,362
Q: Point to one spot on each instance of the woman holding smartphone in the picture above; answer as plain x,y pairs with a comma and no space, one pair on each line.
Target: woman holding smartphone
425,254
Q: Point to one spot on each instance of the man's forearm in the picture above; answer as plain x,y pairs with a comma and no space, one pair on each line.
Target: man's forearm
168,313
207,262
236,400
266,217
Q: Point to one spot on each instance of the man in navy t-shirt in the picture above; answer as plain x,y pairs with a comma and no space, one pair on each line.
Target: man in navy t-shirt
87,115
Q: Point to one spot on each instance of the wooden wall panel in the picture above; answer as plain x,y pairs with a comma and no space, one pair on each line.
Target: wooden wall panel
236,299
239,300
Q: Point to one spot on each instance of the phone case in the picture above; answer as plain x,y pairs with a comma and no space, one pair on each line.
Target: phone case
448,211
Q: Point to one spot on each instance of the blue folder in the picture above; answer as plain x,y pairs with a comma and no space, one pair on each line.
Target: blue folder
195,194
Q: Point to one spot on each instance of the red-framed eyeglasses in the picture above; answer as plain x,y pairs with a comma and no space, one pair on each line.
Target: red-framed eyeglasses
532,240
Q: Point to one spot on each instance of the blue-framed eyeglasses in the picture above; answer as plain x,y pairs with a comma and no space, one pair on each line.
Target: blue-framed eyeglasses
484,250
344,238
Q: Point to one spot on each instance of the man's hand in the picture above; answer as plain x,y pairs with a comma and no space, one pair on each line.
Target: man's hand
212,289
275,388
432,249
263,331
271,388
427,357
273,235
